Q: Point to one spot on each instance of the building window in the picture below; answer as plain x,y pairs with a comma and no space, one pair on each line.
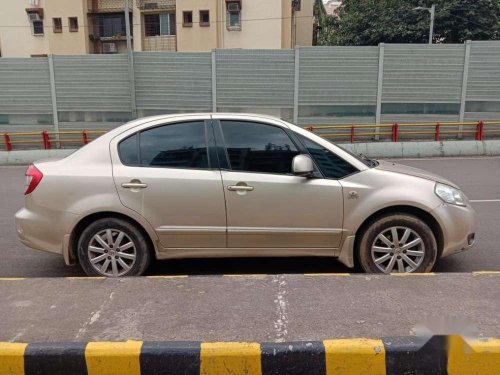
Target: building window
37,27
204,18
159,24
187,18
233,21
57,25
73,24
110,25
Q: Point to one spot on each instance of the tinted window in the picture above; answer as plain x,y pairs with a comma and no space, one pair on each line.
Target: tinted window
331,165
258,147
176,146
128,151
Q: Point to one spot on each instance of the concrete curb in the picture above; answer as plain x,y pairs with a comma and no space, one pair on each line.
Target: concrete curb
372,149
391,355
25,157
424,149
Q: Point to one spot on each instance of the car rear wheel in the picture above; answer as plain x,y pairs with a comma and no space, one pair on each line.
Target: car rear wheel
113,247
397,243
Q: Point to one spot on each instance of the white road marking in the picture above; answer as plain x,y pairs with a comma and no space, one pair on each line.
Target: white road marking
483,200
281,321
94,317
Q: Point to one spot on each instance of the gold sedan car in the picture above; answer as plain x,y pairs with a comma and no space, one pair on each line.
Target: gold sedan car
237,185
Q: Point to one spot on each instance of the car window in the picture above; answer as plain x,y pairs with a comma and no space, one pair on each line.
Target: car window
331,165
180,145
128,150
256,147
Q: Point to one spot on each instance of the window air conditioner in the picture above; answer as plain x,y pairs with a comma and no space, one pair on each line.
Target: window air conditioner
109,48
233,7
33,16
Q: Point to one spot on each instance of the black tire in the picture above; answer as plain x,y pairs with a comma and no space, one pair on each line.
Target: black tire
381,224
143,253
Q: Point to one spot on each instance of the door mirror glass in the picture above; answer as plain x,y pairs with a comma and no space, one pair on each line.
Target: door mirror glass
302,165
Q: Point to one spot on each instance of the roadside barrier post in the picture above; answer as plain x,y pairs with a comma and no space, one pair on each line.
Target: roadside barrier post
8,145
352,134
84,137
436,136
479,131
395,132
46,140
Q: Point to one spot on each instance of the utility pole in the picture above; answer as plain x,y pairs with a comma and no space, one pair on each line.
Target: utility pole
431,31
127,27
130,56
432,11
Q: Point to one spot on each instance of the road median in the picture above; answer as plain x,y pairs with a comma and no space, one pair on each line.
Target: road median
390,355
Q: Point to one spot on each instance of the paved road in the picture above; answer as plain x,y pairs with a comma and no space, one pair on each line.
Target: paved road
479,178
248,308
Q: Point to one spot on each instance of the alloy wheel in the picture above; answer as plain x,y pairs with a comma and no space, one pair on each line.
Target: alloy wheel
398,249
112,253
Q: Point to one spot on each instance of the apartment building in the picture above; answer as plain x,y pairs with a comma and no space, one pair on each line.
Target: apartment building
41,27
38,27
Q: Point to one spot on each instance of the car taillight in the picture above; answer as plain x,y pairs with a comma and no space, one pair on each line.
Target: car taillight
33,178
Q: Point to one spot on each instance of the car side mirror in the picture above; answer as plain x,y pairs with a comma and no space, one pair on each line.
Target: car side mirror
302,165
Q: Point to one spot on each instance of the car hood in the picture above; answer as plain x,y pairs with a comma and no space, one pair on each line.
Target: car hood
399,168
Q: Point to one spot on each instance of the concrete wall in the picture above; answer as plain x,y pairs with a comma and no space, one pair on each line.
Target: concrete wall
304,20
17,40
196,37
261,26
286,24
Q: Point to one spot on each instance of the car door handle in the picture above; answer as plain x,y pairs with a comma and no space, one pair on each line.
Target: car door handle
134,185
239,188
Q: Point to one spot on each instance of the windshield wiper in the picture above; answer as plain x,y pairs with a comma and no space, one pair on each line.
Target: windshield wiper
370,162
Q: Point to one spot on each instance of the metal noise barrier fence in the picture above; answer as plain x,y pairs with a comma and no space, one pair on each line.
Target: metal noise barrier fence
309,86
395,132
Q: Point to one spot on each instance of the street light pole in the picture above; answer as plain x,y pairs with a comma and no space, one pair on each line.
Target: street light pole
431,31
130,58
432,11
127,27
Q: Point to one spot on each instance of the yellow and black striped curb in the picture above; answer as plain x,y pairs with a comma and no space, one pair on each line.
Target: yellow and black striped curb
391,355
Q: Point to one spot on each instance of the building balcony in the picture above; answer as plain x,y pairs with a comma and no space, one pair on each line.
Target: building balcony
146,5
159,43
107,6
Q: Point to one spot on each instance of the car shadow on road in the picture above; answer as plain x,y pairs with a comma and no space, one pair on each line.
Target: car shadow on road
266,265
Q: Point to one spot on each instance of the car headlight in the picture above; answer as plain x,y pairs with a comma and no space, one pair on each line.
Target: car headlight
450,195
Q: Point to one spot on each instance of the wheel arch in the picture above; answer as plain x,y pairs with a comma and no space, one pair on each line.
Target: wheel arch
423,215
85,221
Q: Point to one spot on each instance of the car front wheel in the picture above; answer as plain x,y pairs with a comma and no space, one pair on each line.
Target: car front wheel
113,247
397,243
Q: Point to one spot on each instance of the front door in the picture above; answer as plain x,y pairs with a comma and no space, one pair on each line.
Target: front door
165,174
267,206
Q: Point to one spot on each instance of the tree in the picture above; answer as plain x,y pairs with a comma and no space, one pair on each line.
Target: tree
370,22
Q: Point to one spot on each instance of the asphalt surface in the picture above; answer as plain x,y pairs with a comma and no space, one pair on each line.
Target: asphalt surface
479,178
248,308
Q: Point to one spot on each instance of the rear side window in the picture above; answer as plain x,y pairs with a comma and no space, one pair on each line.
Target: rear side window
255,147
129,151
331,165
180,145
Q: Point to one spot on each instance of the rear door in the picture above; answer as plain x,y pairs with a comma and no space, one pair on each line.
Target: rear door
165,173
